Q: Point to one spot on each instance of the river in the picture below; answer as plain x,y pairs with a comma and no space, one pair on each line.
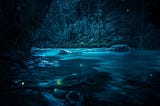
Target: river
89,77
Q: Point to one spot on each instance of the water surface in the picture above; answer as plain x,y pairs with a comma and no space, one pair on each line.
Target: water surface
93,76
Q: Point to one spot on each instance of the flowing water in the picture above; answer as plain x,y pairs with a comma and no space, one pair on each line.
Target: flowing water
89,77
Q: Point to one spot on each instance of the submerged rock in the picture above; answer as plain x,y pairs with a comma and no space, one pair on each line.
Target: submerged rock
120,48
71,80
47,63
59,93
56,63
47,84
52,100
62,52
73,96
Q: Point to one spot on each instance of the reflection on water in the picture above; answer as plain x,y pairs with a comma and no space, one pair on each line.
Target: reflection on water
91,77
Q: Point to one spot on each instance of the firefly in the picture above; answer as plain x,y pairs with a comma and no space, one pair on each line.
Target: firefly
81,65
22,83
150,75
59,82
55,90
127,10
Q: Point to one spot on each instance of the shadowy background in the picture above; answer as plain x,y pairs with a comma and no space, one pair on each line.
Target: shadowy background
27,23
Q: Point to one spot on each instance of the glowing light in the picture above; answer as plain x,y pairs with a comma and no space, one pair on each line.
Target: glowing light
59,82
127,10
22,83
55,90
150,75
81,65
74,74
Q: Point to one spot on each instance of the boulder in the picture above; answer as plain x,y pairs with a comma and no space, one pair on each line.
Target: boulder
120,48
48,63
73,96
70,80
62,52
59,93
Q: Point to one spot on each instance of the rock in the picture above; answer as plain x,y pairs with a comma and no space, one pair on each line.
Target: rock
44,85
56,63
47,63
52,64
47,84
59,93
71,80
120,48
52,100
73,96
62,52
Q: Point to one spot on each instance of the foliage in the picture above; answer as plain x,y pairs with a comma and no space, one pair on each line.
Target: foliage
92,23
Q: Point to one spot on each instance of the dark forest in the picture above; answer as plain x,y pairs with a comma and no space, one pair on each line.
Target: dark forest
80,52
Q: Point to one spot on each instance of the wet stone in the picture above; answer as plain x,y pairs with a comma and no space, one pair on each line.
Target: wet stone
59,93
72,80
62,52
120,48
73,95
88,79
